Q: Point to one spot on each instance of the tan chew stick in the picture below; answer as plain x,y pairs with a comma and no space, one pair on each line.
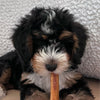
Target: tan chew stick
54,87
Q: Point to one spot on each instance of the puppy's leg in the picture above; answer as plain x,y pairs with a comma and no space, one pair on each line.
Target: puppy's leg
79,91
8,69
80,95
32,92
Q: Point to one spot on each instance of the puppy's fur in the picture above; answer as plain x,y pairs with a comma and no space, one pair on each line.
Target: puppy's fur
45,41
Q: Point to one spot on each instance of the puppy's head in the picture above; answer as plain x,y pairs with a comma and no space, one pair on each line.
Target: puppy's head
49,40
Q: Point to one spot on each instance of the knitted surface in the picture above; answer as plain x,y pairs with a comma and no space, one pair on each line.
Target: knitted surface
86,12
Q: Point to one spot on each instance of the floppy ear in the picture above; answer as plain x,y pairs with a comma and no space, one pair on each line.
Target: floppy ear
22,38
22,41
80,37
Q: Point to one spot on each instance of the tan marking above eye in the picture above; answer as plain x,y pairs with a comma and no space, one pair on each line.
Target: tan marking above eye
39,36
44,37
65,34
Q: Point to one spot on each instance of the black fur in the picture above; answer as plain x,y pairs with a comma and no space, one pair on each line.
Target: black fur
81,85
11,60
19,60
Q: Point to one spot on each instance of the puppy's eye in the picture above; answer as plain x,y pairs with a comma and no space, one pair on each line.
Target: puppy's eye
67,40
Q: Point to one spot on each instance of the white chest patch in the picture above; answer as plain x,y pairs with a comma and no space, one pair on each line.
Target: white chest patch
66,80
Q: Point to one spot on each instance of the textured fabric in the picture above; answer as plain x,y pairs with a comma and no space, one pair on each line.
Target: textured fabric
86,11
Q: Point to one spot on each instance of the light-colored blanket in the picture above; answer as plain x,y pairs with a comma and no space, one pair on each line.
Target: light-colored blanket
86,11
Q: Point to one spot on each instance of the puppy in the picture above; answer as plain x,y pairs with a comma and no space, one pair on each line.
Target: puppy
47,40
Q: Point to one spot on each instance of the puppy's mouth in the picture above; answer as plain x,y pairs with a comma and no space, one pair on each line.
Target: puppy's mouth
45,62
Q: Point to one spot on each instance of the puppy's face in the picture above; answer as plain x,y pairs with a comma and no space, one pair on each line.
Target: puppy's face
48,40
52,53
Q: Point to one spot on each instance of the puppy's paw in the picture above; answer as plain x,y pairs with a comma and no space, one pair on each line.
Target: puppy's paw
37,95
2,91
77,97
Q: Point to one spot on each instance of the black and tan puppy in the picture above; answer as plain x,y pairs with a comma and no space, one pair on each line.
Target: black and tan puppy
46,41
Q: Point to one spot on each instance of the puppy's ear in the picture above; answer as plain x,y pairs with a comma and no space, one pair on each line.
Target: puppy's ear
80,38
23,43
22,38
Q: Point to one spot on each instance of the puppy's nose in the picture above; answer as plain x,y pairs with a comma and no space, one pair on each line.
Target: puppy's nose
51,67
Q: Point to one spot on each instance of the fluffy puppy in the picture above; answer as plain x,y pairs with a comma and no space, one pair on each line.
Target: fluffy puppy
47,40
